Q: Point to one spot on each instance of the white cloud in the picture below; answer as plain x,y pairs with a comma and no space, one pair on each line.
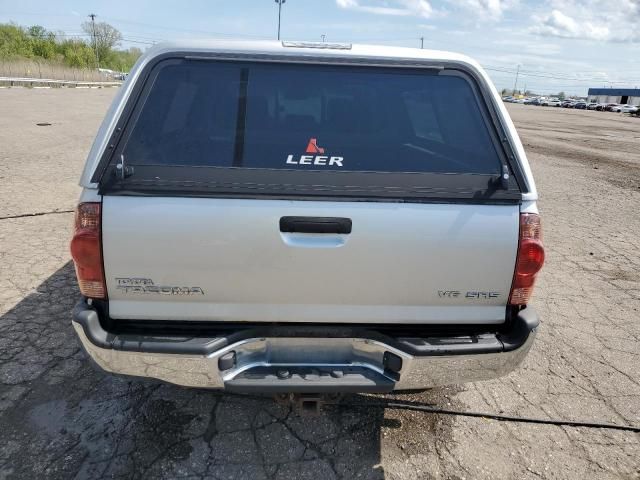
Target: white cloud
558,24
419,8
613,20
486,9
477,9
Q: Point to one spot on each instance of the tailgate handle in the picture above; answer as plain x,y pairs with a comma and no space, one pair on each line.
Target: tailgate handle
315,225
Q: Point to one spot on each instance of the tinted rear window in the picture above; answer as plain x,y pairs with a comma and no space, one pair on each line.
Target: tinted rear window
297,117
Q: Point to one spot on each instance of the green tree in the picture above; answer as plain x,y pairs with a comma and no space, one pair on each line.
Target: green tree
123,60
42,42
38,44
561,95
14,42
77,53
103,38
37,31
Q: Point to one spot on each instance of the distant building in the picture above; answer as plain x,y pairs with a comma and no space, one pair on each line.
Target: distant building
615,95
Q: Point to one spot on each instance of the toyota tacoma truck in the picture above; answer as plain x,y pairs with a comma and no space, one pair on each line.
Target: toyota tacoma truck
306,218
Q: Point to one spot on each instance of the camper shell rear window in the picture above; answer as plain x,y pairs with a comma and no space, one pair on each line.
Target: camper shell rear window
259,128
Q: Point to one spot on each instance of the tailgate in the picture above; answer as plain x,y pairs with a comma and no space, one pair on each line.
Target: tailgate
227,260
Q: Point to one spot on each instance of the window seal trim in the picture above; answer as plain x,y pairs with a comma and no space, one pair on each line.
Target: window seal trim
162,180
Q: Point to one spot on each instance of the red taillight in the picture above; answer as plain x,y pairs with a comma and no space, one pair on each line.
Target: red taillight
529,260
86,250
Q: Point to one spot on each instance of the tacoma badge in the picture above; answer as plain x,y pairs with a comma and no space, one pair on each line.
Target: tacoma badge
146,286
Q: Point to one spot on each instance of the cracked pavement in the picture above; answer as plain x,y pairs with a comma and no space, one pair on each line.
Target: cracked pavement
59,418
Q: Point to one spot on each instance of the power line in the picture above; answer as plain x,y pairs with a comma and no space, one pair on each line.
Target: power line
556,76
552,75
141,42
186,30
127,39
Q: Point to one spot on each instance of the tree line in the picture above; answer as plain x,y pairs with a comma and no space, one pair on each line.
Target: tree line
37,43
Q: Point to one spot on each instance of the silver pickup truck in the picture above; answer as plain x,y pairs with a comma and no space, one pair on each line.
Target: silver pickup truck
267,217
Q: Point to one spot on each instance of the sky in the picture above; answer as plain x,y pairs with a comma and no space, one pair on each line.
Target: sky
557,45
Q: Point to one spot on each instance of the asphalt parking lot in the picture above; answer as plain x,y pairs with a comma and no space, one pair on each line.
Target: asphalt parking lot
61,419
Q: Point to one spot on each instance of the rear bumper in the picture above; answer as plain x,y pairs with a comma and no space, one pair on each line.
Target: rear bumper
306,360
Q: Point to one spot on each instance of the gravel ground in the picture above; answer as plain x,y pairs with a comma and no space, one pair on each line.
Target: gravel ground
61,419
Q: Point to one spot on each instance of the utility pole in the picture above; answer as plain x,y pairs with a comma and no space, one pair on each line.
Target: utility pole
323,36
421,42
279,2
515,85
93,16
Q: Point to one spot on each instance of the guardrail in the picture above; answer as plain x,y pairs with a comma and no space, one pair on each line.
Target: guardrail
30,82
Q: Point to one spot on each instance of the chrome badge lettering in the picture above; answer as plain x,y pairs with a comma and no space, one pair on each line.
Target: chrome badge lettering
471,295
482,295
146,286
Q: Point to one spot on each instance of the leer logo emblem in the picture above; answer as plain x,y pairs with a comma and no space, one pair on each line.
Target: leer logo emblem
313,146
320,160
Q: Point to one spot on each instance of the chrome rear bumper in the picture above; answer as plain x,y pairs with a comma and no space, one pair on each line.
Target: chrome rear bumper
307,364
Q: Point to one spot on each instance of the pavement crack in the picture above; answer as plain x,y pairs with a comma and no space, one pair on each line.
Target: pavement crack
212,429
35,214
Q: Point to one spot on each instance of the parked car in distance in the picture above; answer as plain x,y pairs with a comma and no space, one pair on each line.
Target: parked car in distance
580,105
191,275
111,74
610,106
549,102
567,104
591,106
625,109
